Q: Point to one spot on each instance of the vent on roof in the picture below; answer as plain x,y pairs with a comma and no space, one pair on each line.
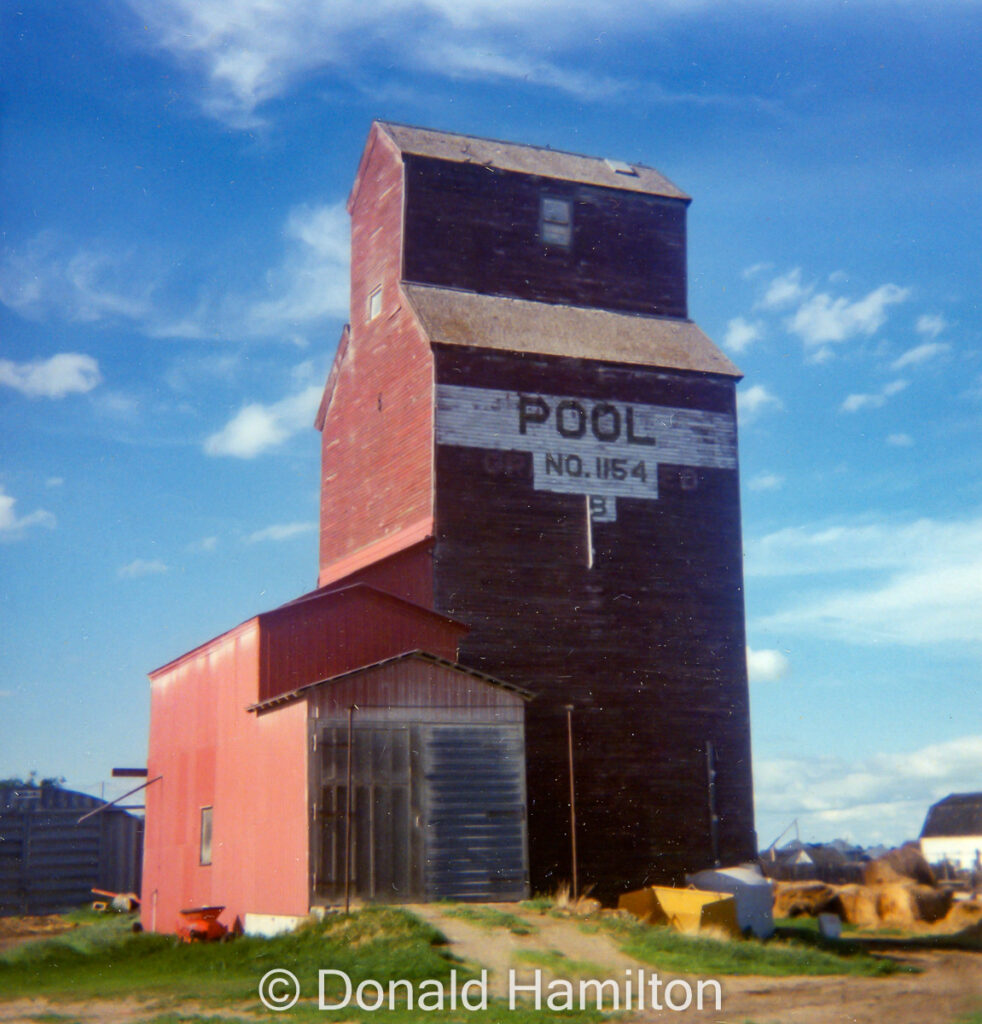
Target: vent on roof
619,167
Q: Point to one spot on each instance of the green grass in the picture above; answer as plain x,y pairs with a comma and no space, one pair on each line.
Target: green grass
539,904
804,953
559,964
104,958
489,917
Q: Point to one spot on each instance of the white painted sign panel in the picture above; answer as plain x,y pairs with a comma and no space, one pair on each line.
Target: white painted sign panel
602,448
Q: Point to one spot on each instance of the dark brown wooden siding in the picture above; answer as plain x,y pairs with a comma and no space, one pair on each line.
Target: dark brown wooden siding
647,644
477,228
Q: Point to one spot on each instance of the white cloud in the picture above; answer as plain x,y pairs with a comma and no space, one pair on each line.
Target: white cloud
784,291
6,693
12,526
282,531
206,544
312,281
308,284
822,320
931,324
876,798
305,285
919,583
54,481
63,374
900,440
250,52
854,403
257,428
938,605
755,400
741,334
141,567
863,546
766,666
920,354
766,482
51,277
754,270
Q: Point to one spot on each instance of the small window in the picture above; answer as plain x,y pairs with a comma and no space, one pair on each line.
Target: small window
205,835
556,221
375,303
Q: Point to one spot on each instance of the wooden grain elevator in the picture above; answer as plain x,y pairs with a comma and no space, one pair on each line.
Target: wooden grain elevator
524,430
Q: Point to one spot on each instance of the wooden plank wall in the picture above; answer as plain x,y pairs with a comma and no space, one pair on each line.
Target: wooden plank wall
477,228
647,644
376,452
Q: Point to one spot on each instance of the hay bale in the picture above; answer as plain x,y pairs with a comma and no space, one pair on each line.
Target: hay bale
794,899
895,904
858,906
930,904
905,863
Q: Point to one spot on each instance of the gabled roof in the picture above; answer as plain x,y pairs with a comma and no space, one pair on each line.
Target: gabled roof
546,163
425,656
451,317
959,814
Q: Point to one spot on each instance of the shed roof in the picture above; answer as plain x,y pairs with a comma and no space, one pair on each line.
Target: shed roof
959,814
451,317
537,160
283,698
370,601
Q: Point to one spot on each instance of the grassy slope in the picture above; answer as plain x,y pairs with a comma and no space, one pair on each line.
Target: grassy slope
103,959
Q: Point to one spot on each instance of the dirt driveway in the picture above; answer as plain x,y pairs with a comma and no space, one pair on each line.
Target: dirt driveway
948,987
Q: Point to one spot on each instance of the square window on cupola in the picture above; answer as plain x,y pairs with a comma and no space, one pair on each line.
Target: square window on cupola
556,221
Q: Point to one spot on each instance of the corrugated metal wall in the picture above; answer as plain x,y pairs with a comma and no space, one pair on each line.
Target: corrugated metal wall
49,862
474,812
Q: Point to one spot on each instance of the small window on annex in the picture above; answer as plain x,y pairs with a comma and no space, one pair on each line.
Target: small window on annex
556,221
375,303
205,836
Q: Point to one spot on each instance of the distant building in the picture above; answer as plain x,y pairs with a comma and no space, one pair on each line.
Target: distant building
952,831
837,863
49,862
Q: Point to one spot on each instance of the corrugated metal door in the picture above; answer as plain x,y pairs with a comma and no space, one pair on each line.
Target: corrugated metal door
474,812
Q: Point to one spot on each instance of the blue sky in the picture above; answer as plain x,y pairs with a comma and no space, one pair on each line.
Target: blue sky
173,281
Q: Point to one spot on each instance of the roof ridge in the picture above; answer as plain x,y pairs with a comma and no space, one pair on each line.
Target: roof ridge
511,142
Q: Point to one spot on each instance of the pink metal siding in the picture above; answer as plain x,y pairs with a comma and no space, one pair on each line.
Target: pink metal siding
252,769
211,753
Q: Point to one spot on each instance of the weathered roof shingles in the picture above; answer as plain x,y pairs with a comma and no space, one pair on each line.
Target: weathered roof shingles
512,156
452,317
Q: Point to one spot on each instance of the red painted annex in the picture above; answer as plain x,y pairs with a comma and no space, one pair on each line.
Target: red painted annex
230,743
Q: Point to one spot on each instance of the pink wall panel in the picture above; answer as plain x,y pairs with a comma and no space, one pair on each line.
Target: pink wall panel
212,752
